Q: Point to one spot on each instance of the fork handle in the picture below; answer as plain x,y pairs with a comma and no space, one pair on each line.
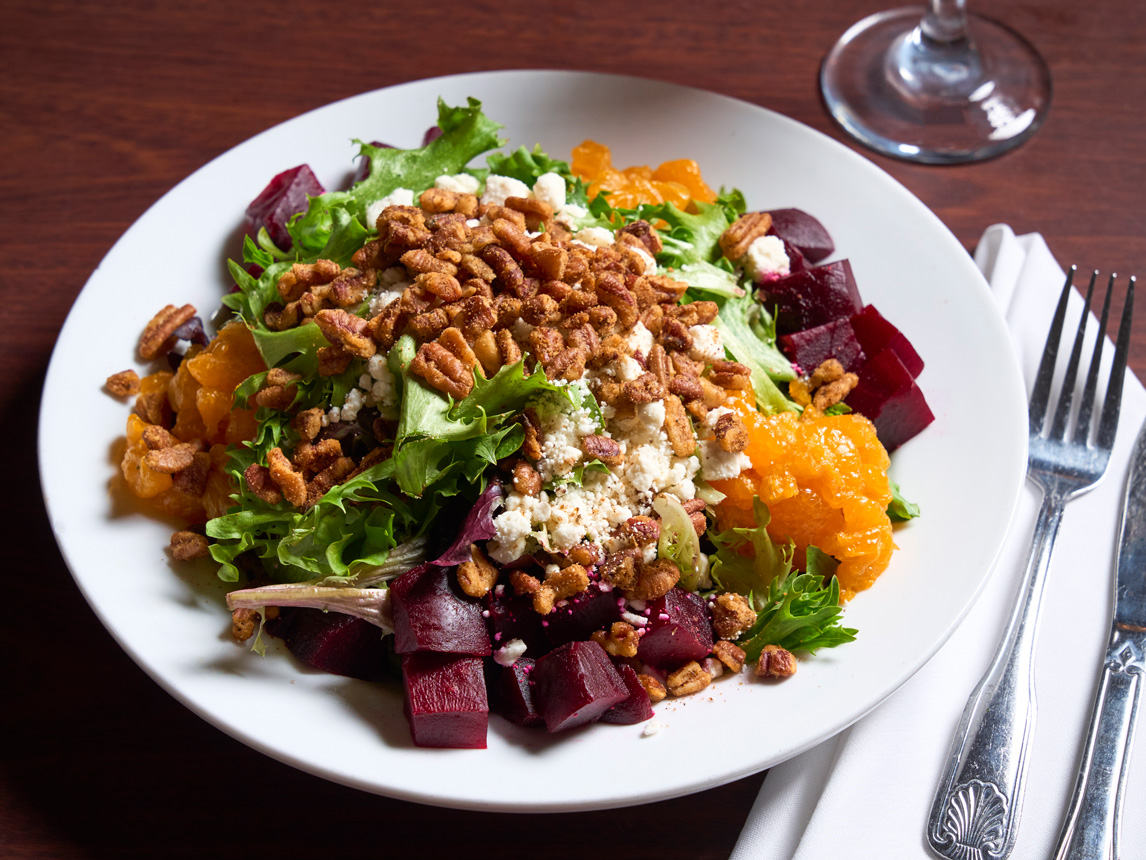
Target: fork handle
1090,828
976,809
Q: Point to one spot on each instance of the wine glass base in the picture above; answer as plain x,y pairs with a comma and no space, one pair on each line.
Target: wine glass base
976,105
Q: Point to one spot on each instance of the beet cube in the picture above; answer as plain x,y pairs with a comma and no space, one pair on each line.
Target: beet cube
811,347
514,693
802,230
446,702
588,611
876,334
813,297
429,616
888,395
513,617
335,643
575,684
679,630
636,708
285,195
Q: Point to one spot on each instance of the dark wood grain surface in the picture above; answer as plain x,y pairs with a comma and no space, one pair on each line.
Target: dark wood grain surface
105,106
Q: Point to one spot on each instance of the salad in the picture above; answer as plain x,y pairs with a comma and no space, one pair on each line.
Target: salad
545,438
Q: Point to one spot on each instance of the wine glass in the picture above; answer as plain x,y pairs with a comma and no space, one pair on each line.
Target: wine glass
936,85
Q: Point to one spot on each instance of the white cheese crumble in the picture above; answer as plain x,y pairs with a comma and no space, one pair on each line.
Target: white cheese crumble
355,400
707,344
570,214
640,339
397,197
550,188
499,188
650,261
459,183
509,653
595,237
650,729
765,258
716,464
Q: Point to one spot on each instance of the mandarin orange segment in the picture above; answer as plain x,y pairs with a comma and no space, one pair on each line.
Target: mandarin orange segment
214,405
677,182
824,480
672,192
230,358
686,172
142,481
591,159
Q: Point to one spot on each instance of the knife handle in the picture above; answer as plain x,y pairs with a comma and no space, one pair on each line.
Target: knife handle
1091,826
980,794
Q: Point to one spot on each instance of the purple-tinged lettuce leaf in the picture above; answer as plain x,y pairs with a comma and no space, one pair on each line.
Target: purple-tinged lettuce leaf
478,525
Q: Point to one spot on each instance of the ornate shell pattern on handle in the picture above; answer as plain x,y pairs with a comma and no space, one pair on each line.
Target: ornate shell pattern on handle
973,823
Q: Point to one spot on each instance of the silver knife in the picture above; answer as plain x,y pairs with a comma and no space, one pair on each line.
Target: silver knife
1091,826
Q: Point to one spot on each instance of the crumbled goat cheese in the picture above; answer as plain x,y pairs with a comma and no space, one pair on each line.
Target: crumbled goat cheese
550,188
640,339
570,214
459,183
334,415
650,729
509,653
713,667
397,197
355,400
628,369
766,258
499,188
511,529
707,344
650,261
521,330
716,464
634,619
595,236
714,415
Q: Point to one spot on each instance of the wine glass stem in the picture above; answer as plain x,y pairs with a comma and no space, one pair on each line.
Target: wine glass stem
945,20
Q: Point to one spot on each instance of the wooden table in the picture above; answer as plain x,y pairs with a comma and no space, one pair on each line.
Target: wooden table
105,106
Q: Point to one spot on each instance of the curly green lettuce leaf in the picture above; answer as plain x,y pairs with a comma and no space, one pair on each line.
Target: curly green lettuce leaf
527,165
750,573
900,509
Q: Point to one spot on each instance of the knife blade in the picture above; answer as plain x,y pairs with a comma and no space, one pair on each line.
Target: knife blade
1093,818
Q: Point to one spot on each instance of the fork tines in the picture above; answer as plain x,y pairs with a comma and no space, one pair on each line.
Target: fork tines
1040,395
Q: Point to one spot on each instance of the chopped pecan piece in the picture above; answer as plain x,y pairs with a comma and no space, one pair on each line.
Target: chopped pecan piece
731,434
549,260
641,530
259,479
730,375
419,261
607,450
303,276
540,310
333,360
686,388
678,427
162,328
192,481
172,459
289,480
440,284
644,389
775,662
523,583
674,336
526,480
654,580
585,554
438,200
308,423
688,679
620,568
123,384
536,212
244,623
531,447
621,640
188,545
344,329
645,233
278,397
653,687
831,393
729,654
743,232
313,458
442,370
478,575
505,267
611,291
488,354
732,614
155,437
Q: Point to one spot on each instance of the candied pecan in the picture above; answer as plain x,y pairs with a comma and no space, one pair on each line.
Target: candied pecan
641,530
278,397
308,423
333,360
453,340
155,437
478,575
732,614
314,300
316,457
730,375
635,259
695,510
568,364
288,479
731,434
244,623
685,387
531,447
279,318
513,239
416,299
419,261
526,480
482,236
829,370
540,310
653,318
162,328
493,212
352,286
620,568
440,284
831,393
694,313
602,319
549,260
438,200
258,478
577,300
546,343
123,384
344,329
188,545
652,686
172,459
474,315
477,267
374,255
585,554
743,232
302,276
688,679
585,338
775,662
428,325
333,474
602,448
192,481
654,580
507,346
666,289
644,389
536,212
466,205
645,233
729,654
523,583
488,355
388,324
678,427
153,407
659,365
674,336
508,271
507,309
443,370
621,640
605,355
611,291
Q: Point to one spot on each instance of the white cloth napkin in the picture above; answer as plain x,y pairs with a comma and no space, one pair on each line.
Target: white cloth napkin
868,791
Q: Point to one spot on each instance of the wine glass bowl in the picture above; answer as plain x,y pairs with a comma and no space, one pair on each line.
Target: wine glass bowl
936,85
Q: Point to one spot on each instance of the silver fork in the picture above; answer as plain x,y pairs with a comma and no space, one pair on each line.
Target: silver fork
976,809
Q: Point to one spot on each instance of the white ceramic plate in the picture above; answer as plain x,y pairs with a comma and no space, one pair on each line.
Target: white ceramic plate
965,470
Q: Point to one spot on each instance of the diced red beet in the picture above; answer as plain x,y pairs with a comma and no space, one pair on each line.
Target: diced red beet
590,610
335,643
813,297
636,708
802,230
429,616
513,617
813,346
446,702
575,684
514,693
876,334
796,260
678,631
887,394
285,195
